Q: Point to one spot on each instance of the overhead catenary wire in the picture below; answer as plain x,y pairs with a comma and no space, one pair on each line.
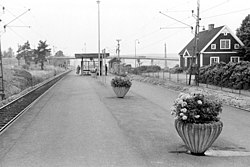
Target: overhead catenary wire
16,18
215,6
176,20
14,15
236,11
20,36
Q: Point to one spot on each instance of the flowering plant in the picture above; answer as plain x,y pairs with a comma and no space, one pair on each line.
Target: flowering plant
196,108
121,82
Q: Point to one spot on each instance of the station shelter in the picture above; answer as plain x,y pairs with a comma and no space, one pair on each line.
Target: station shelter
89,62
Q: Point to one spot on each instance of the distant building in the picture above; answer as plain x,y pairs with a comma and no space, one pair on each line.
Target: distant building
214,45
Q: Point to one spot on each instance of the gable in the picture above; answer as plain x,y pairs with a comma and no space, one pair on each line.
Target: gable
186,54
203,39
224,33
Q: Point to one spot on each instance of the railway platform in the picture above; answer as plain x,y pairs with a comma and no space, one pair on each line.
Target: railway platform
68,126
79,122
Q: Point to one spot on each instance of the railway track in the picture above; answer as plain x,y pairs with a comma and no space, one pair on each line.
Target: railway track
11,111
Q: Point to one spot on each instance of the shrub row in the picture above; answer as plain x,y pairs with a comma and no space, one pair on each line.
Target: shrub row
142,69
231,75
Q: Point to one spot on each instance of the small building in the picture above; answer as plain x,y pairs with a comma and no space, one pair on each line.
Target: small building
213,45
89,61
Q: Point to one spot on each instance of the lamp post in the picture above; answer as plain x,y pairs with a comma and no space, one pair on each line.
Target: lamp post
99,68
118,53
136,42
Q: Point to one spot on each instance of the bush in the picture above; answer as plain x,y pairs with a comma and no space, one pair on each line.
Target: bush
25,66
232,75
176,69
142,69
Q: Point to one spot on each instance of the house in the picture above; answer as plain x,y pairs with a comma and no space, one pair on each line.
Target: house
213,45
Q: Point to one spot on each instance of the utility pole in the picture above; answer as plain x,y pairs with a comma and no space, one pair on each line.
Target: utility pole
2,94
118,53
165,52
99,43
136,41
195,48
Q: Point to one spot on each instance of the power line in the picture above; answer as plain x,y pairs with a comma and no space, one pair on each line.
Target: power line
148,34
17,17
14,16
236,11
215,6
158,41
176,20
20,36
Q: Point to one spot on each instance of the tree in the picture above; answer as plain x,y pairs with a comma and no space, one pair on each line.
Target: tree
42,52
24,51
244,31
244,35
59,54
9,53
19,55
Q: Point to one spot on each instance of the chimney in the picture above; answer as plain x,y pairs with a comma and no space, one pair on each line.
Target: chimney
210,27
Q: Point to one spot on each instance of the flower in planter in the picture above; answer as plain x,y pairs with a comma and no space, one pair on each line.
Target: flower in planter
121,82
197,121
196,108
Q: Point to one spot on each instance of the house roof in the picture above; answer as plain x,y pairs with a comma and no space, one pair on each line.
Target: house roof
204,38
115,59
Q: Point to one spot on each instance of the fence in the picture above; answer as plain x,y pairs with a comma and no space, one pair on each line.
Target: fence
183,78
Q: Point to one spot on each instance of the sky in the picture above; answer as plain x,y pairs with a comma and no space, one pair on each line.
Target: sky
72,26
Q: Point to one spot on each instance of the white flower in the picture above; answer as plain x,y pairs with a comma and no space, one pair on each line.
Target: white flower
188,97
181,114
172,108
184,104
180,101
197,116
199,102
184,117
184,110
180,95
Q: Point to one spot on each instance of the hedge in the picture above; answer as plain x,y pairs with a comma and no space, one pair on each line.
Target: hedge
231,75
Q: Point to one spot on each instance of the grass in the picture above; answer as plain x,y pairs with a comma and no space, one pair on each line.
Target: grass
18,80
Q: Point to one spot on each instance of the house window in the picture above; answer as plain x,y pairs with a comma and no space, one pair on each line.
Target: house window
235,59
214,60
213,46
236,46
225,43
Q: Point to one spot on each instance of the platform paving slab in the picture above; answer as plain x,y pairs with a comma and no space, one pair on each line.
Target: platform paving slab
80,122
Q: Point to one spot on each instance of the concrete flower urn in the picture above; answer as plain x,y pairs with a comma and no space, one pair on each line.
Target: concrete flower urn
121,86
198,137
120,91
197,120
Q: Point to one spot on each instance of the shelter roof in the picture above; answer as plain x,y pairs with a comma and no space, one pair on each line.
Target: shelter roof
90,55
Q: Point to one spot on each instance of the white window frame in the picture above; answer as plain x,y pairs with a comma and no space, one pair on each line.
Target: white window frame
225,40
235,57
236,46
213,46
218,58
